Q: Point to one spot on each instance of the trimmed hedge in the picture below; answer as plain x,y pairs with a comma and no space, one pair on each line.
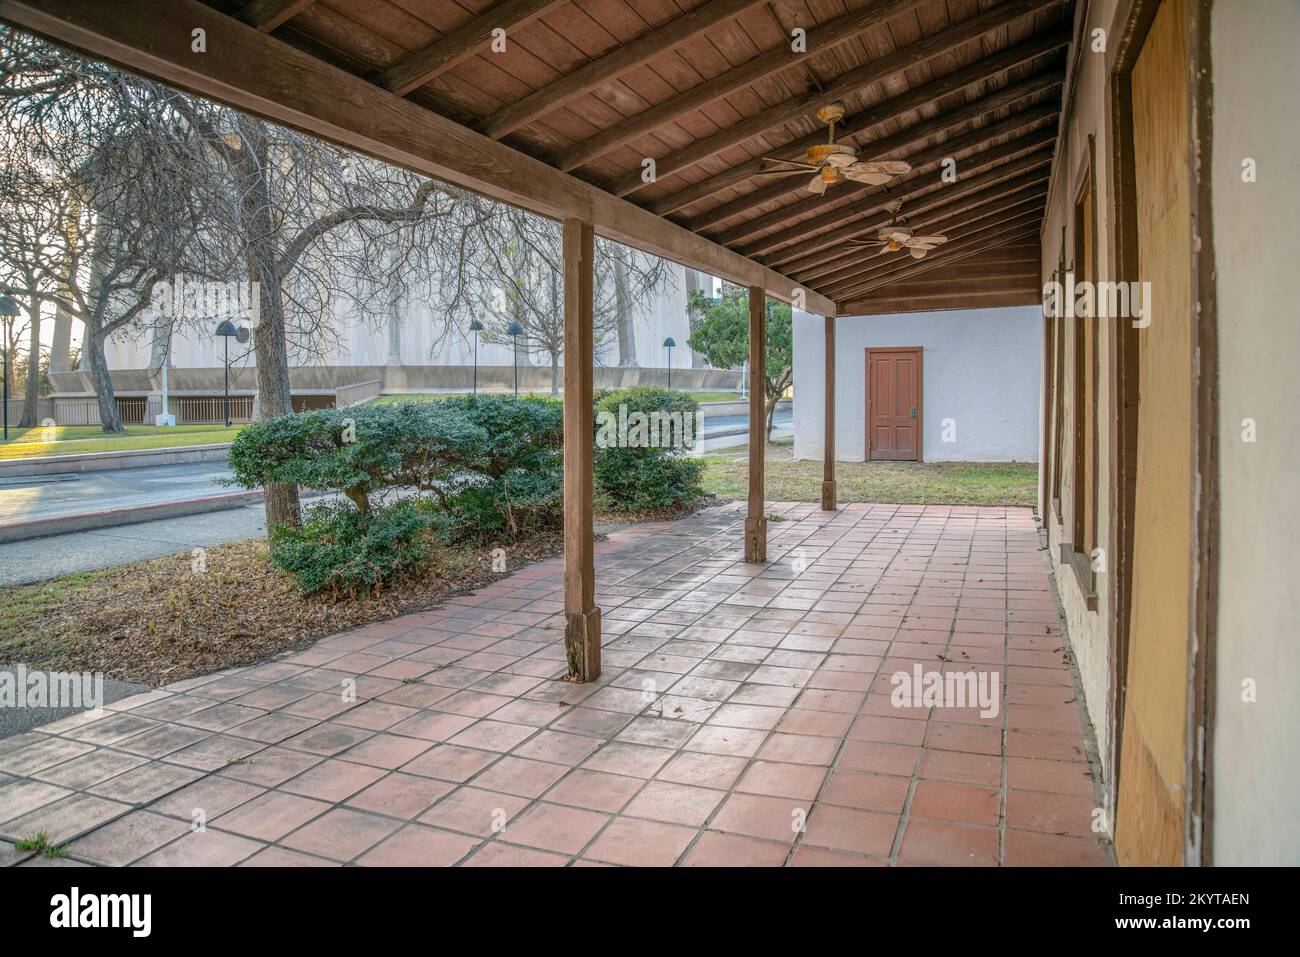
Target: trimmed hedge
643,438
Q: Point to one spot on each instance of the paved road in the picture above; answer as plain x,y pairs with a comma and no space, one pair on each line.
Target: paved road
40,558
50,496
782,426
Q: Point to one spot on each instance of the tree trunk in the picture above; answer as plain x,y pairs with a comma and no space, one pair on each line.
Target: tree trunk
623,315
270,347
93,348
775,389
32,392
555,373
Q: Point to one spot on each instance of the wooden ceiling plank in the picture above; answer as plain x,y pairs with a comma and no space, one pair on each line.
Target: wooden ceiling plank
867,75
295,89
818,41
878,114
982,300
266,15
619,60
461,43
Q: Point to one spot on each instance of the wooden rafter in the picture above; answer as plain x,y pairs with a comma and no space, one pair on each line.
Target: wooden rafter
461,43
972,151
1002,272
819,41
892,109
266,15
908,57
897,143
619,60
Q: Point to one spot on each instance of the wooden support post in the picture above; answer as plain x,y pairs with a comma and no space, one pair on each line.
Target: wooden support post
755,522
582,617
829,497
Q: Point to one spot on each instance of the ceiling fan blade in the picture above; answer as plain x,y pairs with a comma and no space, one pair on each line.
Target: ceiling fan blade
817,185
789,162
895,235
871,179
884,250
928,240
842,160
892,167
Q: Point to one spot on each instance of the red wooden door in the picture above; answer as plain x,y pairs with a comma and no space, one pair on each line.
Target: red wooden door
894,404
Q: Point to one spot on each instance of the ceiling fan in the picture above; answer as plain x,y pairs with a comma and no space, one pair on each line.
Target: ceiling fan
896,237
832,162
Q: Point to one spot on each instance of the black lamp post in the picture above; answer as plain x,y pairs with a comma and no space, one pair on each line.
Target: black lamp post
226,329
476,327
8,310
515,330
670,345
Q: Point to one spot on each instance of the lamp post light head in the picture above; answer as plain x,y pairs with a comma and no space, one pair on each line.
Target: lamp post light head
476,326
226,328
668,343
8,307
515,329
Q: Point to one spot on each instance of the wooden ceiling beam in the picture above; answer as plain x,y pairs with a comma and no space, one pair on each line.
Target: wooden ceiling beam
461,43
297,90
266,15
619,60
818,41
909,57
956,224
854,126
1022,127
923,198
981,300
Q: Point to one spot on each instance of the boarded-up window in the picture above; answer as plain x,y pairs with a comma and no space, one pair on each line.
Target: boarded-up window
1085,374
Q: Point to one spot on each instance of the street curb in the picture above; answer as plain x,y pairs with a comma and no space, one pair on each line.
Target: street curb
108,518
124,459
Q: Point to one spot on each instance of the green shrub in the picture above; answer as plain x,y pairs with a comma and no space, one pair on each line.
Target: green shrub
487,467
342,550
643,437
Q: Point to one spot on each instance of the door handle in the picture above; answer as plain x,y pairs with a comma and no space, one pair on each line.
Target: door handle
914,412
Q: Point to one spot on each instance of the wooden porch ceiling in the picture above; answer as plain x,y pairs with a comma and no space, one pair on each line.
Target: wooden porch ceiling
562,120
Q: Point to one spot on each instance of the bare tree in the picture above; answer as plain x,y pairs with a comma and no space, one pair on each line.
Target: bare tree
521,272
95,209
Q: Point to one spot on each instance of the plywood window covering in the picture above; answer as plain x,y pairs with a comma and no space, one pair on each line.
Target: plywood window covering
1058,394
1085,376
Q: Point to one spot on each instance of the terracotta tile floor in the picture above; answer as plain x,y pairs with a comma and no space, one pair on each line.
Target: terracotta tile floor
744,717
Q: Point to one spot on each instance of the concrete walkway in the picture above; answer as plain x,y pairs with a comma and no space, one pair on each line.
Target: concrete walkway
745,716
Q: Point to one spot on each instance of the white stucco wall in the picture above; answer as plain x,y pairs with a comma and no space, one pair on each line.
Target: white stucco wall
980,369
1256,757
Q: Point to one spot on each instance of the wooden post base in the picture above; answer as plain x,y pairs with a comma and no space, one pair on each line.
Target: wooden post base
829,502
582,645
755,539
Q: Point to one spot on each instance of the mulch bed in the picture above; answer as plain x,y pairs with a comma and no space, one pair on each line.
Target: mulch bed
161,621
